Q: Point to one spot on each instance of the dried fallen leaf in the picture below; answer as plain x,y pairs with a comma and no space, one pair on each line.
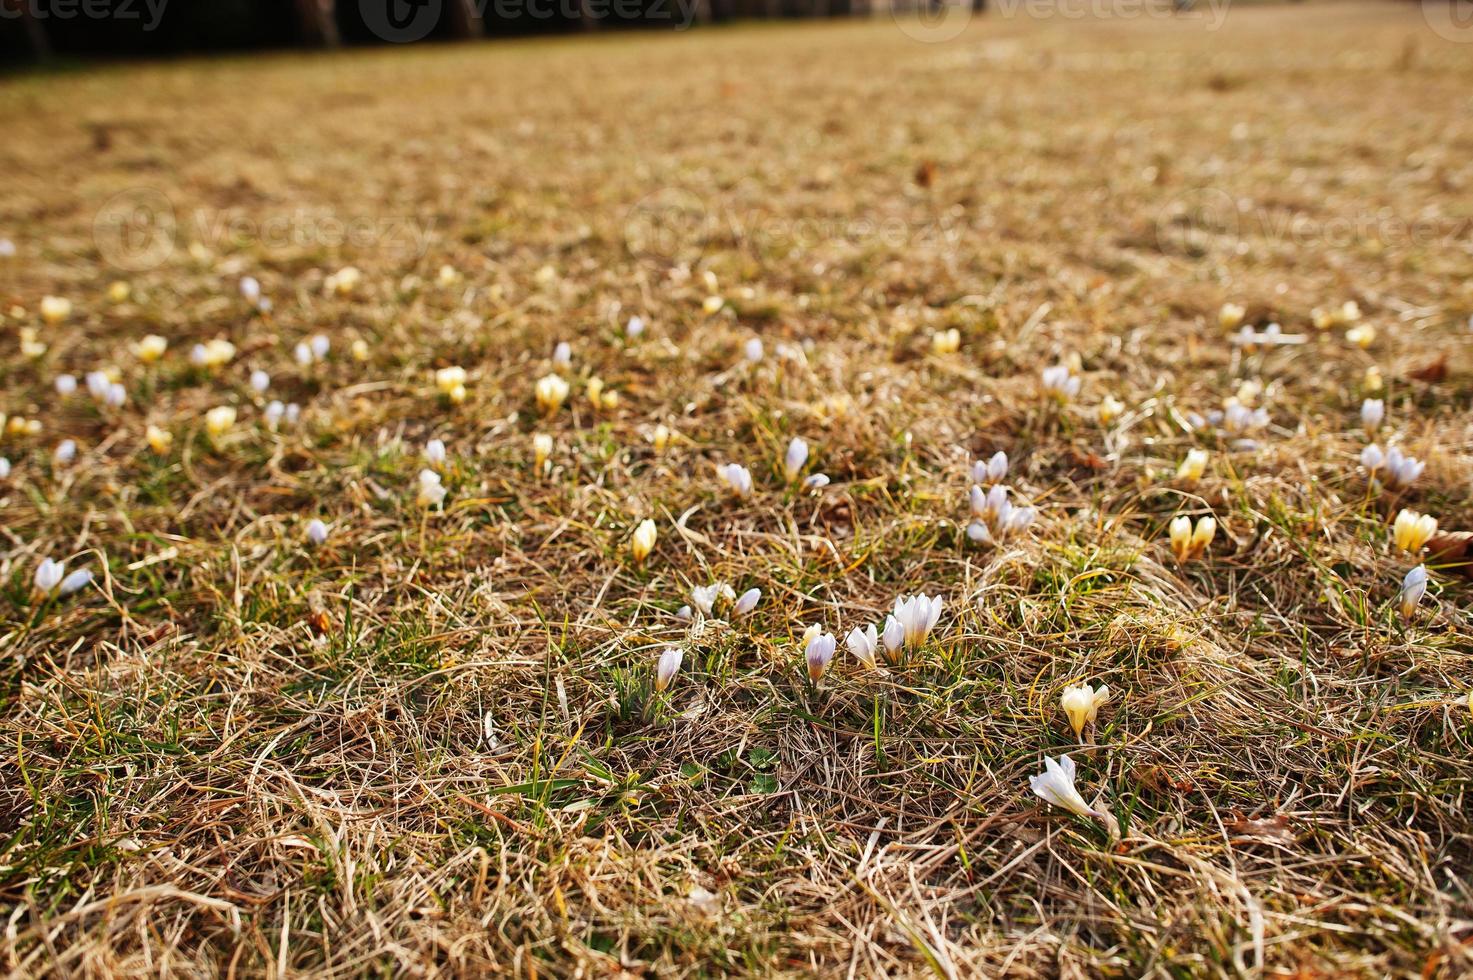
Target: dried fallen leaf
926,173
1431,373
1275,827
1452,551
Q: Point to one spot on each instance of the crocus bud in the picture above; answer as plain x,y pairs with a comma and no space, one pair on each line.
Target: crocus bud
795,457
219,421
49,575
1372,411
893,638
642,542
747,602
1413,587
1082,704
75,582
666,667
945,342
316,532
55,309
819,652
151,348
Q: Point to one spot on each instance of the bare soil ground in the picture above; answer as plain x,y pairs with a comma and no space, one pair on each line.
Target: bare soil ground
432,745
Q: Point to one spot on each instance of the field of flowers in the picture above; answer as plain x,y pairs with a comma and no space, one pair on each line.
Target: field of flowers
775,500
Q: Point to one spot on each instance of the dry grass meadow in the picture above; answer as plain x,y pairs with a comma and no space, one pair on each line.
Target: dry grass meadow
432,744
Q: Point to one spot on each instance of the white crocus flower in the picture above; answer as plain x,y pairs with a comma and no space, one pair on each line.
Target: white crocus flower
945,342
746,603
634,327
820,653
1082,704
795,457
1056,785
562,354
431,491
1192,468
893,638
250,290
816,481
49,575
917,615
738,477
705,597
1372,458
666,667
1060,382
993,470
435,453
1402,470
1188,542
316,531
66,385
1372,412
75,582
1413,587
97,384
642,542
1411,530
4,468
977,533
219,420
260,381
541,451
551,392
1230,315
864,644
753,350
66,451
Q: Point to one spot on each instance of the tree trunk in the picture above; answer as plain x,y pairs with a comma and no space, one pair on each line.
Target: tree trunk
464,21
317,21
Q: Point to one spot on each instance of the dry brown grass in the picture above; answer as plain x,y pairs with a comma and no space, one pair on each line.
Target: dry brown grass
430,747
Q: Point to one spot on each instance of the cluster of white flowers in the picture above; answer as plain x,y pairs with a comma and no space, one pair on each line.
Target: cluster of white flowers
996,518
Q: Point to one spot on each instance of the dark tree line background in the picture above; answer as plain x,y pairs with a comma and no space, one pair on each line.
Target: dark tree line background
39,30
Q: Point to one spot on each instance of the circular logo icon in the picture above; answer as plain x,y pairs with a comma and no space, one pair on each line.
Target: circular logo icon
1200,222
671,225
135,230
400,21
1451,20
933,21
